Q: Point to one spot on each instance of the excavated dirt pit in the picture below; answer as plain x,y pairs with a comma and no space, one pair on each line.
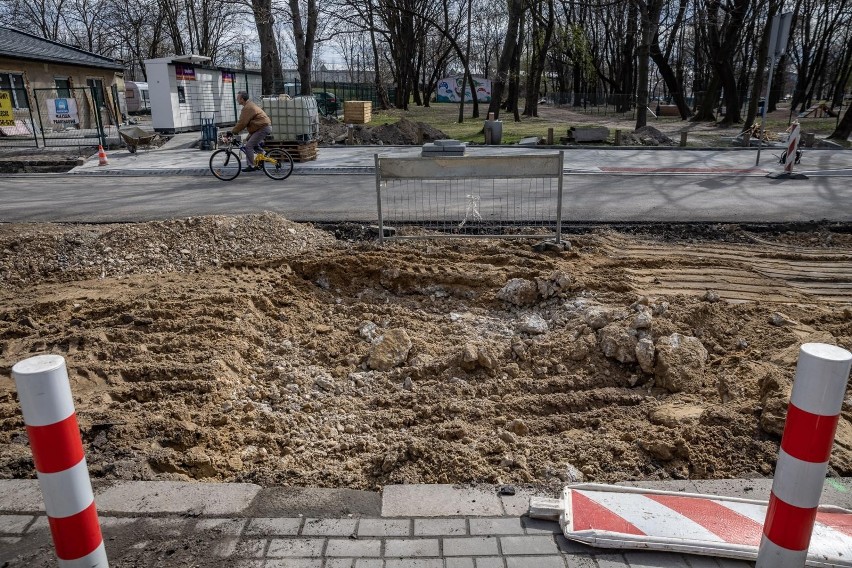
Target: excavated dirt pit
254,349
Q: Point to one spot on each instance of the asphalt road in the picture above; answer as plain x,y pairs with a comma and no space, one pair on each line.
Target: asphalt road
588,198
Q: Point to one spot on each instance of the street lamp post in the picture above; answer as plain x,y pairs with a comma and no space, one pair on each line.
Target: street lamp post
778,35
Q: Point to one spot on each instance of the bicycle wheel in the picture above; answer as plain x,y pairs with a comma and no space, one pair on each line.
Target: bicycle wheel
283,166
225,164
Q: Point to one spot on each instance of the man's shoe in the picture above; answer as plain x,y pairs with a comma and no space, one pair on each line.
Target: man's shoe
249,169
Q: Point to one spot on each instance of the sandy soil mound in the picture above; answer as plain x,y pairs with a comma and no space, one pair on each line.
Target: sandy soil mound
254,349
400,133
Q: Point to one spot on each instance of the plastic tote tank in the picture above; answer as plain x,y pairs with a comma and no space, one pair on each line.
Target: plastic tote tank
293,120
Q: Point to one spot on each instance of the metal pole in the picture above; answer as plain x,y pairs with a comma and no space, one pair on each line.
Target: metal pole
559,199
765,104
379,198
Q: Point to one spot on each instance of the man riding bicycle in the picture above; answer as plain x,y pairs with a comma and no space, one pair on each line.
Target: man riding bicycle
258,124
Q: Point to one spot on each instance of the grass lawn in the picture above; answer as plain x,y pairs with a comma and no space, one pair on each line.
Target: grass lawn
444,116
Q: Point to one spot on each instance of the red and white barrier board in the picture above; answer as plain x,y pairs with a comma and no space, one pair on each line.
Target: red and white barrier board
48,408
633,518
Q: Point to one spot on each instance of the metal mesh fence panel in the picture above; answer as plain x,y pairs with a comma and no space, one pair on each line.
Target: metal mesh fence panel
17,129
506,196
74,116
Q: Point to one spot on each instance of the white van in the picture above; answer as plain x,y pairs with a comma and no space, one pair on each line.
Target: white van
136,95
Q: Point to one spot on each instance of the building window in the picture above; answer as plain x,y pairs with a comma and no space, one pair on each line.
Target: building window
15,83
98,86
63,87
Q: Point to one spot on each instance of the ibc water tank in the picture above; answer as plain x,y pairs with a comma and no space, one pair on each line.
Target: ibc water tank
294,120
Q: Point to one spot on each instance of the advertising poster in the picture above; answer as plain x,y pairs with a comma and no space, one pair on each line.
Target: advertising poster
227,77
62,111
7,117
184,72
449,90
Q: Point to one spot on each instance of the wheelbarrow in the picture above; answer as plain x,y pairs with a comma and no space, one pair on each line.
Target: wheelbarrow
134,137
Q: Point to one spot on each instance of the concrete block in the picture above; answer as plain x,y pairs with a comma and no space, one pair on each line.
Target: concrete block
354,548
588,134
40,524
440,527
504,525
538,562
368,563
228,527
439,501
460,563
530,544
10,540
293,563
245,563
176,497
648,559
411,547
164,526
329,527
20,496
530,141
340,562
251,548
14,524
274,526
611,561
489,562
224,547
384,527
448,142
538,526
295,547
470,546
414,563
316,502
567,546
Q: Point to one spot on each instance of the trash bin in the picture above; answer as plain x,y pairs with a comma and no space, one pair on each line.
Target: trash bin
493,132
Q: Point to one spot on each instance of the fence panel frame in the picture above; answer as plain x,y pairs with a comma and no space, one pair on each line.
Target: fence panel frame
524,166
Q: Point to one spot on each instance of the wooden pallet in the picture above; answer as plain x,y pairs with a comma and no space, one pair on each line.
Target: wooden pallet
301,151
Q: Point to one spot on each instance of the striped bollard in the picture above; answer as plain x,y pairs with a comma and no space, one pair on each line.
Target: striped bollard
45,395
792,146
818,391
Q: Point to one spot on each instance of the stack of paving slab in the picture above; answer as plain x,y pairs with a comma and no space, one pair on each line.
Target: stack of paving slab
443,148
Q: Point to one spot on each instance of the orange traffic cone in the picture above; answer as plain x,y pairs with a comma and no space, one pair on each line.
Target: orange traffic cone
102,157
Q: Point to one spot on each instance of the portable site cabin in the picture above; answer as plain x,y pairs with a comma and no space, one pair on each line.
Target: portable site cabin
136,97
186,92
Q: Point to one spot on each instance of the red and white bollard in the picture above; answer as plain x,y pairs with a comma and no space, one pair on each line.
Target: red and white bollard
48,408
818,392
792,146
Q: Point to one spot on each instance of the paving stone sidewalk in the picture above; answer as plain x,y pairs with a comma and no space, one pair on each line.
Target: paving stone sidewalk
171,524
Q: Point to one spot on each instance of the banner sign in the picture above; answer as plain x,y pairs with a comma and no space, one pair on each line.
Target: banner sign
184,72
7,117
449,90
62,111
227,77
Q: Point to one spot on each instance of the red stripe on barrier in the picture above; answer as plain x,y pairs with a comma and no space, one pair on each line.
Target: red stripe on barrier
725,523
807,436
587,514
56,447
77,535
841,522
788,526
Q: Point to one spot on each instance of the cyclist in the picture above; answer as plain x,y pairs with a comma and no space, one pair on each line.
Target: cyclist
258,124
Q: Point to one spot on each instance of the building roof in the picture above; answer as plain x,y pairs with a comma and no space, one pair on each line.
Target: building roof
20,45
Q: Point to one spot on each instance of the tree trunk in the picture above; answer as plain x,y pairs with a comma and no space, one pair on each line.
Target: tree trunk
844,128
516,8
271,74
650,13
304,37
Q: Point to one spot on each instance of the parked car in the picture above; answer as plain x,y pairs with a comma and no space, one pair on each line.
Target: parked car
326,103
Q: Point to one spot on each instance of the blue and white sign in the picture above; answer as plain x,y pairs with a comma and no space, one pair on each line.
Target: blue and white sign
62,111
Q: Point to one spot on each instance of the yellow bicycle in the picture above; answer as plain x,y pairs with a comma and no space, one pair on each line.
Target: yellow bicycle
226,165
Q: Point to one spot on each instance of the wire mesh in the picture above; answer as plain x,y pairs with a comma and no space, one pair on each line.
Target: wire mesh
469,197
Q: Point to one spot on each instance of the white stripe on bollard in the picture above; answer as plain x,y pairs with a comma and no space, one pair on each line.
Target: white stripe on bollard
821,395
96,559
793,487
66,492
46,390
